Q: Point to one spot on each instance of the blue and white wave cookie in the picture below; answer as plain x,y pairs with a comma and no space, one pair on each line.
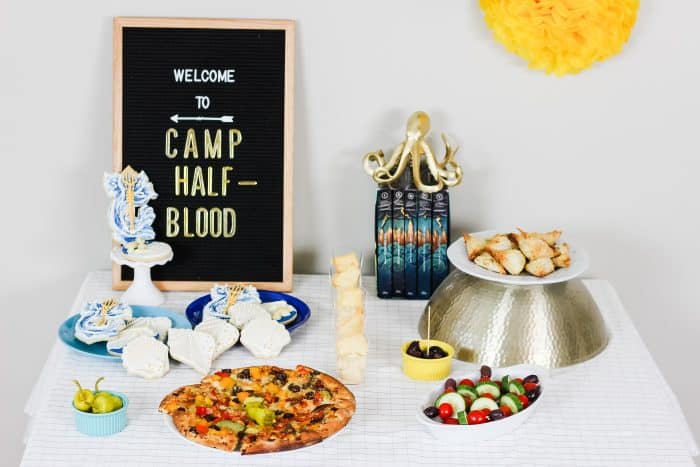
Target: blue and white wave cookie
99,321
222,300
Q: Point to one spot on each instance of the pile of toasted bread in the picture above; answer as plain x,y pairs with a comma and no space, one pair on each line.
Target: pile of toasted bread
511,253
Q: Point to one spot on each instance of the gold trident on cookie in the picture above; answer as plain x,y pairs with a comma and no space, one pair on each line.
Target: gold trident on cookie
107,305
233,292
129,177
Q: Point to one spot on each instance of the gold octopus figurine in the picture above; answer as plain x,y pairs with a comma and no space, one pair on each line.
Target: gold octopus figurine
445,173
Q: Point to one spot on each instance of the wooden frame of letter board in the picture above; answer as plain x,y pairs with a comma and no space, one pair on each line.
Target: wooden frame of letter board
289,27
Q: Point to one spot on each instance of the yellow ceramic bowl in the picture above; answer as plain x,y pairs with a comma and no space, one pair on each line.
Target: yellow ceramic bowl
427,369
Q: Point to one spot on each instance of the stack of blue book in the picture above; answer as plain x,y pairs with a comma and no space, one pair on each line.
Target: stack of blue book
412,233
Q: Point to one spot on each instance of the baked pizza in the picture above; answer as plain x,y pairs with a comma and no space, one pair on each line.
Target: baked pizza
261,409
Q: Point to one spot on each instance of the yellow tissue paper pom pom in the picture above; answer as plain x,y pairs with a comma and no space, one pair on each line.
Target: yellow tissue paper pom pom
561,36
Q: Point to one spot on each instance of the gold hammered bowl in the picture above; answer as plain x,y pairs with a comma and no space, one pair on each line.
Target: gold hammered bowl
554,325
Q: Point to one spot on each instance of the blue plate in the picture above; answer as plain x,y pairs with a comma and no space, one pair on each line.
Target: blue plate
195,309
98,349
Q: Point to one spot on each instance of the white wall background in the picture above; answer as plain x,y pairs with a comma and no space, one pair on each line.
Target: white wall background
610,155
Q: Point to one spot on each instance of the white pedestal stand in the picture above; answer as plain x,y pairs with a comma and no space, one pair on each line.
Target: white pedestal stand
142,291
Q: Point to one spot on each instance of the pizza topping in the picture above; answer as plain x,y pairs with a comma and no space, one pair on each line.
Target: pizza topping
253,400
260,415
202,428
309,395
281,376
294,388
236,427
326,395
226,383
244,374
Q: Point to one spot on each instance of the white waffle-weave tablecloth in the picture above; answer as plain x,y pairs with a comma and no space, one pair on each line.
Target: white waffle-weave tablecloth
613,410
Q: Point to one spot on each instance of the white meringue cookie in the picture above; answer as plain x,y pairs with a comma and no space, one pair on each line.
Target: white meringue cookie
192,348
146,357
264,337
225,334
242,313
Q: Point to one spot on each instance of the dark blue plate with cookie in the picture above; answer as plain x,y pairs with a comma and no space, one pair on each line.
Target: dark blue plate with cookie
196,308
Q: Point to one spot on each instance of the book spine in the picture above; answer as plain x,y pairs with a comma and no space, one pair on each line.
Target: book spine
397,245
410,258
441,233
382,232
424,245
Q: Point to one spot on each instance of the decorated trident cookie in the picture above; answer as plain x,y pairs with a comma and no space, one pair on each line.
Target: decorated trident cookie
131,220
223,297
100,321
130,191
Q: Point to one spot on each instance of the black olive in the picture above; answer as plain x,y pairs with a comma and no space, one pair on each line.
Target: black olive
533,393
244,374
235,399
214,427
531,379
281,377
318,384
181,409
294,388
309,395
496,415
225,370
288,415
415,353
431,412
315,373
413,347
289,429
209,417
193,430
485,371
436,352
450,383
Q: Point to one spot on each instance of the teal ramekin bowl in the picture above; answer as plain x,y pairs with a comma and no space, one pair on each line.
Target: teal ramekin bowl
102,424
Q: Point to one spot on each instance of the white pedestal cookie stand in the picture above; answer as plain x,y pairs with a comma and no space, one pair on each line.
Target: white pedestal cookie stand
142,291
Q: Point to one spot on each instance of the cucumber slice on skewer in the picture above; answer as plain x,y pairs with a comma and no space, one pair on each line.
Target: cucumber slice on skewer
483,403
454,399
512,402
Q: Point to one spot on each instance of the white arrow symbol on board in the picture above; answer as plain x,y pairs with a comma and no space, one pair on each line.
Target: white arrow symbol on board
223,119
